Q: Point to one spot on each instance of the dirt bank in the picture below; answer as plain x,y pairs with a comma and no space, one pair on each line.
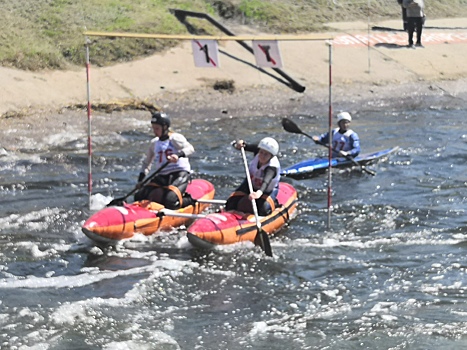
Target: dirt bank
386,69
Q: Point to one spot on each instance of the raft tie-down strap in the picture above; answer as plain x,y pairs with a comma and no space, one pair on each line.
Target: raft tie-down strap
237,194
268,199
176,190
172,188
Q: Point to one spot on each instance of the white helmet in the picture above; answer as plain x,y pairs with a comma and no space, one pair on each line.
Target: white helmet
270,145
343,116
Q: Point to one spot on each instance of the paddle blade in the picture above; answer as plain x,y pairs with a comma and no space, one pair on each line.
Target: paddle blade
116,202
290,126
368,171
262,239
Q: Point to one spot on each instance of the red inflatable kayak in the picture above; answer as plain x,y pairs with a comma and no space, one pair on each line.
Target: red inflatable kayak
233,227
113,224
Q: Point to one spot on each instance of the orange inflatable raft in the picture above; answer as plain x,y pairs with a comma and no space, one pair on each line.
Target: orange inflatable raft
233,227
112,224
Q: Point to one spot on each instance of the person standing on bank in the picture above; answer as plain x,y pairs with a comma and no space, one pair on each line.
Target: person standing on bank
170,151
415,19
345,142
264,172
404,15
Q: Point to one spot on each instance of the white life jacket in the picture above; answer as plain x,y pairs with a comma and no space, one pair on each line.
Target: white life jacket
341,142
257,174
163,149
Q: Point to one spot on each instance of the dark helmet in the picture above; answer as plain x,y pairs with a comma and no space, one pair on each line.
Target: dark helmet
160,118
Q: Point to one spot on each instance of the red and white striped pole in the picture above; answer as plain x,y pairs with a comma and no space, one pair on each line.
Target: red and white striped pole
88,87
330,137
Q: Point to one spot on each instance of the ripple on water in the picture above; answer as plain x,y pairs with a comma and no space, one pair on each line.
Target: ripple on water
387,274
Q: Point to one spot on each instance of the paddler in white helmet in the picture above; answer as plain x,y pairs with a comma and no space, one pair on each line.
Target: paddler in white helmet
345,141
264,172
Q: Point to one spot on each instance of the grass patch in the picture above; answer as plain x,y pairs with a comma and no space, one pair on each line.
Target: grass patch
50,33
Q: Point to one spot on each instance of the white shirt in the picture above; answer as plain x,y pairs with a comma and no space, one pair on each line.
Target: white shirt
159,151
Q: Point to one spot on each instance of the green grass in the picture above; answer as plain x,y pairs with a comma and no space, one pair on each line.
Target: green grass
49,34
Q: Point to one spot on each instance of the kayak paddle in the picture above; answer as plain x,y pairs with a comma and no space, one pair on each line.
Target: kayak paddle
119,201
263,235
290,126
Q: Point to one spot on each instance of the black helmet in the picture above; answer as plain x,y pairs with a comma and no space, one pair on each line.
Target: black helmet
160,118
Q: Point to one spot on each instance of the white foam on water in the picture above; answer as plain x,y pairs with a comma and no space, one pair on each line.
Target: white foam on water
183,243
33,282
99,201
230,248
460,313
22,142
164,267
32,249
132,344
11,160
35,220
154,339
425,237
59,282
91,312
93,275
259,328
109,138
281,324
218,272
139,238
137,122
37,346
4,318
383,307
31,315
73,314
64,137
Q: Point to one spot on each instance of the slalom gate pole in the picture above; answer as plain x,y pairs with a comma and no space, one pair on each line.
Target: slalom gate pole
368,38
330,138
313,37
88,88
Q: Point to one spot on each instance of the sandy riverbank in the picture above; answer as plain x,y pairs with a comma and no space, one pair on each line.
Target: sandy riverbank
172,81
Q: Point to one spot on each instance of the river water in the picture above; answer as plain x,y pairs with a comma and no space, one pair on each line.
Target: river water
390,273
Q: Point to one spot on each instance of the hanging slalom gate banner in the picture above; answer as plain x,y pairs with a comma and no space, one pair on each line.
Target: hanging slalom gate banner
267,53
205,53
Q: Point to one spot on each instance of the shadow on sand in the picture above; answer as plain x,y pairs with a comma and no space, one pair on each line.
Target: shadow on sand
391,46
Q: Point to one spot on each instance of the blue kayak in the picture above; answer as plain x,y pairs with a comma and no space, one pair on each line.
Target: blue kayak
315,166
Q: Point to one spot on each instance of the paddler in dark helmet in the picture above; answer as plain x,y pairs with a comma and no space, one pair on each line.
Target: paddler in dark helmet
345,142
168,151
